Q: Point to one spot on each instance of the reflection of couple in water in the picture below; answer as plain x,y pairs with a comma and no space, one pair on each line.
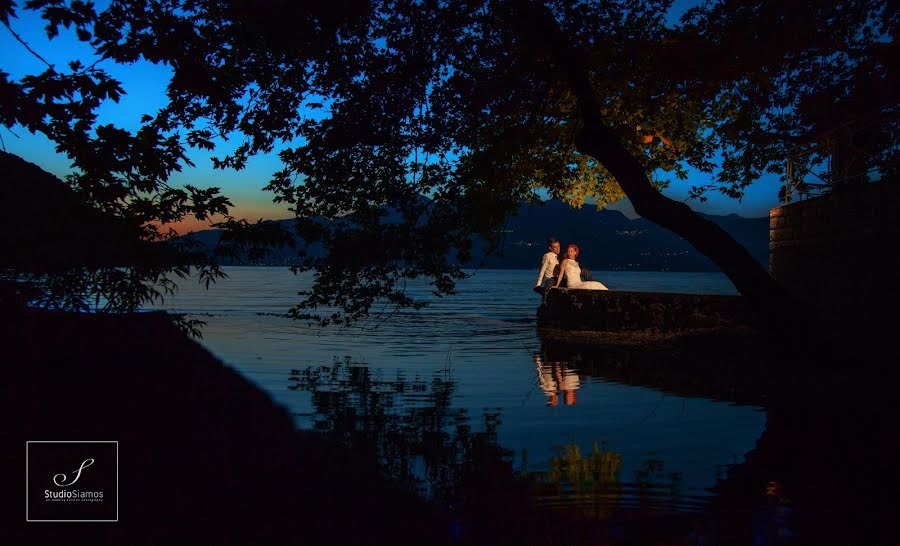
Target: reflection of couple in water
553,272
556,377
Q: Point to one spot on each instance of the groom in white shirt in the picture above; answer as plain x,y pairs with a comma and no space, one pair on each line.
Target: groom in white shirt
546,277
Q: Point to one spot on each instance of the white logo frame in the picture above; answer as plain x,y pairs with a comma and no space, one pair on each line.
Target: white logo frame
29,520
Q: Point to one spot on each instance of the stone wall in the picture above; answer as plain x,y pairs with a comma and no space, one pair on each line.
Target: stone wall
614,311
840,253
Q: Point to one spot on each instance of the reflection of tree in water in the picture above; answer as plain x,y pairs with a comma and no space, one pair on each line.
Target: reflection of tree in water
407,426
591,485
600,468
591,481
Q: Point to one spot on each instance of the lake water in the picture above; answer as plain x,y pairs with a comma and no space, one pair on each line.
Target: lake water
421,390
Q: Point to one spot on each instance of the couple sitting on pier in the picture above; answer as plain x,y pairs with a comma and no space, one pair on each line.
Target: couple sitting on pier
553,271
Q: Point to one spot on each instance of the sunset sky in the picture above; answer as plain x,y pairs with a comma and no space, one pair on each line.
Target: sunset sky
145,84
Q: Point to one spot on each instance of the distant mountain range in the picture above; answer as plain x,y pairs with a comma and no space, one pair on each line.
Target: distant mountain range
608,240
611,241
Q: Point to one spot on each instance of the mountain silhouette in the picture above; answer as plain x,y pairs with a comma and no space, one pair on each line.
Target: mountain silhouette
52,227
608,240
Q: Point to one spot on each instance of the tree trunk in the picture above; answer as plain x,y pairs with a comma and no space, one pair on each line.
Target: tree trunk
769,299
747,274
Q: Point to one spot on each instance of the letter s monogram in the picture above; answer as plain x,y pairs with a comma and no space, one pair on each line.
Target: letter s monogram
62,482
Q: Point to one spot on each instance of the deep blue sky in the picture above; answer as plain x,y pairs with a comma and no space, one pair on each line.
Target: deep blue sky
144,84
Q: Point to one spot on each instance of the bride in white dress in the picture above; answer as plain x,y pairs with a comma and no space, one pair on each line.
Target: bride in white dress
571,271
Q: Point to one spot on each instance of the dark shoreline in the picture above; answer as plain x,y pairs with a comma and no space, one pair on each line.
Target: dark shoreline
206,457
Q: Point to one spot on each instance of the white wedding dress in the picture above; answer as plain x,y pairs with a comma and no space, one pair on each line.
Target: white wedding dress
573,278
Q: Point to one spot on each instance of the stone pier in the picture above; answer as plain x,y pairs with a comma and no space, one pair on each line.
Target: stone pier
838,254
615,311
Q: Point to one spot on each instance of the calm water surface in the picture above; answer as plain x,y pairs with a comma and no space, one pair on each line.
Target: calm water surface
426,386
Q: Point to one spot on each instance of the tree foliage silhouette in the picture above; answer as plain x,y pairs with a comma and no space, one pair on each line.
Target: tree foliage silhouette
474,105
426,445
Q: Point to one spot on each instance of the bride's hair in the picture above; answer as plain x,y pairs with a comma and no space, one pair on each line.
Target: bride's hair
575,247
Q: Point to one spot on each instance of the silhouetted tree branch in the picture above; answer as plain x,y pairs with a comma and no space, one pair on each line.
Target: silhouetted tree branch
405,130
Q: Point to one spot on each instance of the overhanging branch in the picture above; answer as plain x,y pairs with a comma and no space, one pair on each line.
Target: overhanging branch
603,143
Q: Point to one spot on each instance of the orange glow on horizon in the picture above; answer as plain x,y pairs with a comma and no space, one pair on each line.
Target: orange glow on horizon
191,224
185,226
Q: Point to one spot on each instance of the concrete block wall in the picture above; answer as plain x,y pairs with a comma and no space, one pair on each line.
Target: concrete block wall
840,253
